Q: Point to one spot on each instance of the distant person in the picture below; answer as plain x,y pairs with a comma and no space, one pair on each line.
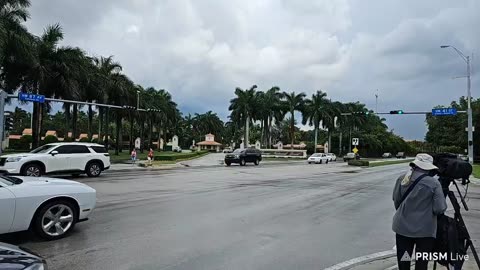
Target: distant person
418,199
150,156
133,155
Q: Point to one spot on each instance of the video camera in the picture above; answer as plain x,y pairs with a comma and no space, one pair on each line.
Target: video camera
450,167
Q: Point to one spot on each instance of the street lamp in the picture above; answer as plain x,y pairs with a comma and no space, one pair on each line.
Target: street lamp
469,97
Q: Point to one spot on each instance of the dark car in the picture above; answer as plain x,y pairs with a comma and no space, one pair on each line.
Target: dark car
401,155
13,257
242,156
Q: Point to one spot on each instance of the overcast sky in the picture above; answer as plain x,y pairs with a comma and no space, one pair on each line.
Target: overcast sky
200,50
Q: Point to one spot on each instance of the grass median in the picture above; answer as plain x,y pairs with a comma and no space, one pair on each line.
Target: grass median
476,171
159,157
388,162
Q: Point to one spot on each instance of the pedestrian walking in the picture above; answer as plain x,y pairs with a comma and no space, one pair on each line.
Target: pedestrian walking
418,199
150,156
133,155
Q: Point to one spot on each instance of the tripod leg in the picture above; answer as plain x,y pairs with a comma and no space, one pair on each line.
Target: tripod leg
475,254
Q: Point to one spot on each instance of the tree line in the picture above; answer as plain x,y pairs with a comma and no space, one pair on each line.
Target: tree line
448,133
273,109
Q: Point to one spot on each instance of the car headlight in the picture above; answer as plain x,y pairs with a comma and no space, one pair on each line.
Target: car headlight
37,266
13,159
237,156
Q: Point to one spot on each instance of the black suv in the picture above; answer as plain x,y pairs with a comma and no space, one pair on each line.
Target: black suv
242,156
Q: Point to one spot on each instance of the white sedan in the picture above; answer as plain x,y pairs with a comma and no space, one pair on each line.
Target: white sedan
318,158
47,206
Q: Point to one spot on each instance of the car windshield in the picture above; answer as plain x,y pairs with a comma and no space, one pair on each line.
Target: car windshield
43,148
238,151
317,155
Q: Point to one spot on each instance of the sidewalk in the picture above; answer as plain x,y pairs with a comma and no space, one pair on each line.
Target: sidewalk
387,260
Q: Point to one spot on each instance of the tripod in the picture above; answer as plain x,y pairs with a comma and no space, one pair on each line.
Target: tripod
461,222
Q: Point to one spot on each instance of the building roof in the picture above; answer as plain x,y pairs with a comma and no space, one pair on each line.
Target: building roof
51,132
208,143
83,135
14,137
27,131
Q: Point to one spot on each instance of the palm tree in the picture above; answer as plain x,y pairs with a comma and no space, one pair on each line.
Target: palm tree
12,14
314,112
294,102
243,108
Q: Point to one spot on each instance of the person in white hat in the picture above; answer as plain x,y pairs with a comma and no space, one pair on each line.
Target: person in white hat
418,199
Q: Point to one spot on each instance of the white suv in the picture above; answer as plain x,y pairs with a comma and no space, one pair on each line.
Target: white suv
72,158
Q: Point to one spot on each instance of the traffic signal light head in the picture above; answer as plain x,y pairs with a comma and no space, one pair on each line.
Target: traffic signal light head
8,121
396,112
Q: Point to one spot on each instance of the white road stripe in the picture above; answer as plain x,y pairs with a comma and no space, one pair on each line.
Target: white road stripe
362,260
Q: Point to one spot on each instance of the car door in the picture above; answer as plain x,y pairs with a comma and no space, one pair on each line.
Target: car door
79,156
60,161
250,155
7,207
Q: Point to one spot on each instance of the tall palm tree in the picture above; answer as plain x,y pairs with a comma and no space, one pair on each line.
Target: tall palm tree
54,71
294,102
243,108
108,69
314,112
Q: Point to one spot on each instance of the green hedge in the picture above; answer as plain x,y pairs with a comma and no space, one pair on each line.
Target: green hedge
22,144
50,139
179,156
358,163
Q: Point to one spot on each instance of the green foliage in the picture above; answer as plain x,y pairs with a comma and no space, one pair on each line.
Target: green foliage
84,139
68,139
50,139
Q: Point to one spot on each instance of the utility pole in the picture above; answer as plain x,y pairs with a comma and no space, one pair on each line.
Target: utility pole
376,102
469,97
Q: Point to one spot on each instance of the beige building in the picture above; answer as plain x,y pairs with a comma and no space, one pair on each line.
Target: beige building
209,144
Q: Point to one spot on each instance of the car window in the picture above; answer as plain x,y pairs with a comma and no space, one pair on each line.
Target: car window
72,149
99,149
43,149
315,155
238,151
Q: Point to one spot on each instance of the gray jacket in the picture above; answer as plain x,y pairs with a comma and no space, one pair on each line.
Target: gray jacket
417,216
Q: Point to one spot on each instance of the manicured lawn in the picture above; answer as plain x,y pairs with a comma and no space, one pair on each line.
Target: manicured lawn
476,170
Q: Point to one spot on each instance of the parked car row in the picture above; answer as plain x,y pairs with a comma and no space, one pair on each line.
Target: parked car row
49,207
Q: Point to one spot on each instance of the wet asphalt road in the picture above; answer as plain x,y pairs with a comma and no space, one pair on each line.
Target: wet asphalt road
294,216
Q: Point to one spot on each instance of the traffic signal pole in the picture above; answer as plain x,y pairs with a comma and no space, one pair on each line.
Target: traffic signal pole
3,97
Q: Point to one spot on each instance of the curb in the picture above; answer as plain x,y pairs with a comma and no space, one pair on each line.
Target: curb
363,260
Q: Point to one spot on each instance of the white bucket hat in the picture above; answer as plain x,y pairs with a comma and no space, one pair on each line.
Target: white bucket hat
424,162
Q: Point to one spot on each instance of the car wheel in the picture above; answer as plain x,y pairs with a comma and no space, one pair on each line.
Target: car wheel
228,163
55,220
326,162
33,169
320,161
243,162
93,169
256,162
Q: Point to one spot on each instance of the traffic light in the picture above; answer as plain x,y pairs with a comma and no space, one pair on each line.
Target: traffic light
8,121
396,112
360,113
